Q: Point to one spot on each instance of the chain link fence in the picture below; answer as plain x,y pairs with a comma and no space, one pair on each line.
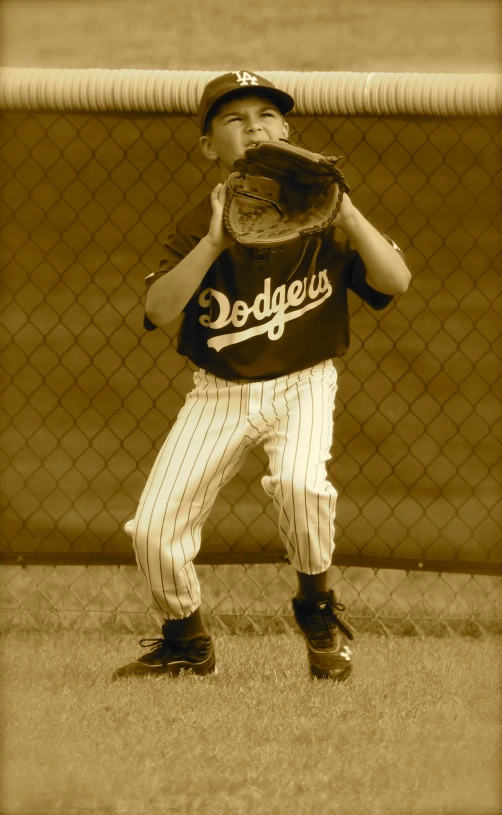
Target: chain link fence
88,396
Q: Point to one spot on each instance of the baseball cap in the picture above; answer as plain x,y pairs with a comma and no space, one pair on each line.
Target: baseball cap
237,82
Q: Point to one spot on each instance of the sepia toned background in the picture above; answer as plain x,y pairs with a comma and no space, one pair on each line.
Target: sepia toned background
87,397
461,36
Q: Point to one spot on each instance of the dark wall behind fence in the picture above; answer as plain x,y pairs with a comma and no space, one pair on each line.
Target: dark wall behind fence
88,397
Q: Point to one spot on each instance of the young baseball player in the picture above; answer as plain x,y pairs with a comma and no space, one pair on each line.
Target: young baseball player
262,327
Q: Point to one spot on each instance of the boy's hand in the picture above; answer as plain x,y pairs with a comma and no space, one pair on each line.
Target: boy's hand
218,236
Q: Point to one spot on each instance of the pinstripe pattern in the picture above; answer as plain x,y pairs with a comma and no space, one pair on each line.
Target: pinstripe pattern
220,420
298,451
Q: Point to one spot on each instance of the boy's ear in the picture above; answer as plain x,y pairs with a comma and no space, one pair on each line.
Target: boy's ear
207,148
285,130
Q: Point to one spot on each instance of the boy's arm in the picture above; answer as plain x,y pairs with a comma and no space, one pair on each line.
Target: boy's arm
386,270
167,297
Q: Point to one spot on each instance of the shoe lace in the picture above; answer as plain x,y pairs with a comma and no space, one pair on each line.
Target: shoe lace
159,647
336,620
319,625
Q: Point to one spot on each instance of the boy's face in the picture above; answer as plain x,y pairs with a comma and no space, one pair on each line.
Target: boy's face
239,123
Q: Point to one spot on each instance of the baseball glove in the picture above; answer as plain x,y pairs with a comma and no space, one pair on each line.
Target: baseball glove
279,192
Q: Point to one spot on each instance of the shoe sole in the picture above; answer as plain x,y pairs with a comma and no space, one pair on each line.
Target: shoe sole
172,670
340,675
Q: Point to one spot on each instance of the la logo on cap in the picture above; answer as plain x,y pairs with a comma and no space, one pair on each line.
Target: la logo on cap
243,78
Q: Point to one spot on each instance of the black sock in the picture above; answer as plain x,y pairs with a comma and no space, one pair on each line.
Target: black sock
310,585
186,628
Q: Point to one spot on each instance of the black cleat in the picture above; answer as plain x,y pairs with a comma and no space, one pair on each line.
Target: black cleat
326,636
171,658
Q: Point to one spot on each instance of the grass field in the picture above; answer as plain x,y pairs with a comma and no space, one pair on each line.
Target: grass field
415,731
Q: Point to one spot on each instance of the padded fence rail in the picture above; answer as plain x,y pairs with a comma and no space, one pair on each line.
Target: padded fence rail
88,397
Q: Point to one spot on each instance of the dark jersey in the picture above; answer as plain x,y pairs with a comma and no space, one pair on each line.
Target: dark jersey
259,314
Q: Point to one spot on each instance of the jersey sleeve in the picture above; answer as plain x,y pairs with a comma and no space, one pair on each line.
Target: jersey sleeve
184,236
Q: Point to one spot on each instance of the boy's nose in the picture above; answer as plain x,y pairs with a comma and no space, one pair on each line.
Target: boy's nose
254,126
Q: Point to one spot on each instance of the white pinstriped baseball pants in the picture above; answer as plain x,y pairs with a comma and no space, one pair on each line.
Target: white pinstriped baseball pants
292,416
